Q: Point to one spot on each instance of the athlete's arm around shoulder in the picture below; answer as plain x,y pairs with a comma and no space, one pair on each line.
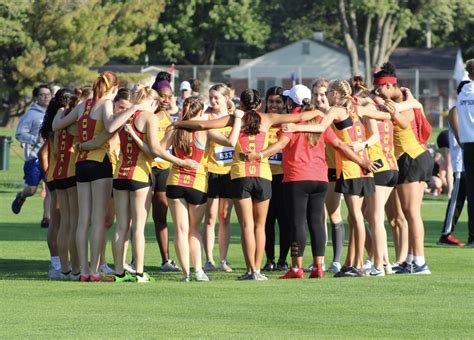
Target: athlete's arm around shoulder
62,121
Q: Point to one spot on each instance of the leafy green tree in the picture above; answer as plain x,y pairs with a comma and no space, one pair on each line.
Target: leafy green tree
59,41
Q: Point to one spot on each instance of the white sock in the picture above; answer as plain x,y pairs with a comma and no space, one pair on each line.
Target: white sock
409,258
55,263
419,260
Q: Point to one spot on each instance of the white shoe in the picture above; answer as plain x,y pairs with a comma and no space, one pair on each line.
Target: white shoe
54,274
313,267
130,268
170,267
335,267
210,267
201,276
105,269
388,269
367,265
376,272
259,277
74,277
224,267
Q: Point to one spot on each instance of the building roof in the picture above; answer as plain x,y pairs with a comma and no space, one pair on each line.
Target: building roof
437,58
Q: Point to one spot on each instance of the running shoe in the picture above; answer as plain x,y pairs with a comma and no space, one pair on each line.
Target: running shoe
44,223
450,240
224,267
105,269
65,277
259,276
291,274
54,274
146,278
17,203
246,276
127,277
170,267
317,272
74,277
388,269
100,278
186,278
281,267
367,266
376,272
405,268
334,268
84,278
210,267
355,272
269,266
343,271
313,266
420,270
396,267
201,276
130,268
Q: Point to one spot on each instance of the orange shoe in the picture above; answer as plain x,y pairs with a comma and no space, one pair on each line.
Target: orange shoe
291,274
100,278
317,272
84,278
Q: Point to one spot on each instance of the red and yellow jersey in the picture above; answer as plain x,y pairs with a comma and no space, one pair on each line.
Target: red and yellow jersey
133,163
330,157
190,178
51,160
114,151
406,141
276,159
258,168
66,155
88,129
353,133
164,123
383,149
220,157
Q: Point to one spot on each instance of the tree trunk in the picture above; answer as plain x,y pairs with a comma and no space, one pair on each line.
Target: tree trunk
368,60
378,37
351,46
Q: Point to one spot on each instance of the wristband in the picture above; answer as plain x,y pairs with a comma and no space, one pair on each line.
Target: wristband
261,155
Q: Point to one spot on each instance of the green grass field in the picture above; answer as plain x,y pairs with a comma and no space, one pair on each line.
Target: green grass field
436,306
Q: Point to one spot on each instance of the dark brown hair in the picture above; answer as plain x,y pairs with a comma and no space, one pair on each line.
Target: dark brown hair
250,99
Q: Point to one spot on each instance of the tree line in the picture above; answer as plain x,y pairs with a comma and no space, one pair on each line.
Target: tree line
61,41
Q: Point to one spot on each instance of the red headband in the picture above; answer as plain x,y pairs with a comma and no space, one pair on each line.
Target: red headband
385,80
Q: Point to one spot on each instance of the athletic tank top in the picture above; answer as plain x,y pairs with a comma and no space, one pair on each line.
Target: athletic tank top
114,154
164,123
190,178
258,168
133,163
66,155
352,132
51,160
383,149
275,160
406,141
88,129
220,157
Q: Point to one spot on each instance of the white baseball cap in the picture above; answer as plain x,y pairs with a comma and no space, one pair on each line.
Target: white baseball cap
298,93
185,86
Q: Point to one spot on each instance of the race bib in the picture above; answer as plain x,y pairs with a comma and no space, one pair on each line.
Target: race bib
276,159
224,154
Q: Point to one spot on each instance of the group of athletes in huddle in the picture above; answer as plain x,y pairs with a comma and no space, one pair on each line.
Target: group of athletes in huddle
285,157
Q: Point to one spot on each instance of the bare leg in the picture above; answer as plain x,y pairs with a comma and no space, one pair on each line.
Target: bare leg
196,213
212,208
139,205
225,210
260,210
160,210
122,228
354,204
179,212
84,195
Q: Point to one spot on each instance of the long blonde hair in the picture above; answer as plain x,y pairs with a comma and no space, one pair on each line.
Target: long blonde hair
225,91
345,92
182,138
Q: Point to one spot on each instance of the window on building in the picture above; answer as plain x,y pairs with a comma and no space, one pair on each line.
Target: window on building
305,48
263,84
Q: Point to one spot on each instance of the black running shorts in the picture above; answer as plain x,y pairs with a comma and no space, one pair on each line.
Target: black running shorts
356,186
388,178
51,185
191,195
130,184
218,186
65,183
332,175
255,187
88,171
160,178
415,170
